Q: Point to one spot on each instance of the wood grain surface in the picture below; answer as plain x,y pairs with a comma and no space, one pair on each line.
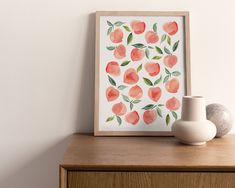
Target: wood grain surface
150,180
63,177
87,152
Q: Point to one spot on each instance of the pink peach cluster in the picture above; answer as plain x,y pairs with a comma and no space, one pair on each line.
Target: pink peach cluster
131,76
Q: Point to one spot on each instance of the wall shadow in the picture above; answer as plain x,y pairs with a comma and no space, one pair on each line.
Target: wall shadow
42,171
85,111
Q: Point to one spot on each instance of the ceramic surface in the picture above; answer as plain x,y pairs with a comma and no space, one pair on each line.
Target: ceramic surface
193,128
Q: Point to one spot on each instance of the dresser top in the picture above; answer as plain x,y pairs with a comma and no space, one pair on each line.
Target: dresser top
87,152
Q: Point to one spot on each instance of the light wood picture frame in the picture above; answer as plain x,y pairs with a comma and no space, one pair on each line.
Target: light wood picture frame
142,71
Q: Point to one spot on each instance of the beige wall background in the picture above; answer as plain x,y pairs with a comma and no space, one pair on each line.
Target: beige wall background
47,75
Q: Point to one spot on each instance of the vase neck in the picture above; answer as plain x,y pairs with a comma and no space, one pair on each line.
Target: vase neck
193,109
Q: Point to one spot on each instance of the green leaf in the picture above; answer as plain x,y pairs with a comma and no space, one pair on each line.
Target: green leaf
158,50
157,57
155,27
125,98
148,107
163,38
124,63
110,48
174,114
139,45
131,106
109,23
169,40
118,23
127,28
160,105
175,46
147,52
166,78
166,50
136,101
150,47
159,112
148,82
139,68
109,30
167,71
119,120
158,80
176,73
121,87
110,119
129,38
168,119
111,81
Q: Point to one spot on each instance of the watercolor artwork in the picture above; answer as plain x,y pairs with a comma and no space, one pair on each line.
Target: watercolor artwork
141,72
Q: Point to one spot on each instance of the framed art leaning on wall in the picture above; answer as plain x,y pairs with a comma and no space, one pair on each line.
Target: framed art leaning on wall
142,72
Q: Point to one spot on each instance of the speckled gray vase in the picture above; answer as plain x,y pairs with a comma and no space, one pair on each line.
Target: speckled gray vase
193,128
221,117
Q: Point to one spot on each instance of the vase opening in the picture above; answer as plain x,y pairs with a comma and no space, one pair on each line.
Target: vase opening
193,108
193,97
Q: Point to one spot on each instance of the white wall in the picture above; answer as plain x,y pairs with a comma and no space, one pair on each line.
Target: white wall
47,75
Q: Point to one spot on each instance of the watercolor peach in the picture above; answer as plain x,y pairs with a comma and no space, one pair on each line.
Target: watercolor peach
112,93
131,76
137,54
120,52
119,109
152,68
173,104
113,68
132,117
151,37
138,27
116,36
155,93
136,92
170,27
149,116
170,60
172,85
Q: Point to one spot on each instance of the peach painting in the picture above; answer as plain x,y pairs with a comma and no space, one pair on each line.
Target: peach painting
141,72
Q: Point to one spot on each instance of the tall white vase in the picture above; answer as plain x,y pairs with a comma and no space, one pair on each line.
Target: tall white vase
193,128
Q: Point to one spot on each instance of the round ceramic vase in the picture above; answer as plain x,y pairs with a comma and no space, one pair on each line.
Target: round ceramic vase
193,128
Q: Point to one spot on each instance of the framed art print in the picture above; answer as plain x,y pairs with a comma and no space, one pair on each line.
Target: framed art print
142,72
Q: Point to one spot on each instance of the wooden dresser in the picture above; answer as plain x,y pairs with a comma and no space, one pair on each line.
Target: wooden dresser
147,162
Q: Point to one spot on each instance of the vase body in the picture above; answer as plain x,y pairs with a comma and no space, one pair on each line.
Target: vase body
193,128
